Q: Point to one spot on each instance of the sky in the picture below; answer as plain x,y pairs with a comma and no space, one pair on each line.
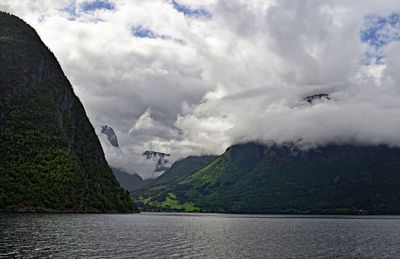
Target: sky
189,77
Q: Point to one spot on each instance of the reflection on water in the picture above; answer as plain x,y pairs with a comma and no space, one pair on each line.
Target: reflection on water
160,235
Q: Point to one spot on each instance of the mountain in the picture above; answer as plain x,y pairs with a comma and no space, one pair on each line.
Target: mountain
159,188
109,132
130,182
182,169
316,97
253,178
50,156
160,159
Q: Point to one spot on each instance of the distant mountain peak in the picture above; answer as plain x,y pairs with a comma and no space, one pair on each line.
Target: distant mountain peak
316,97
151,154
160,158
109,132
128,181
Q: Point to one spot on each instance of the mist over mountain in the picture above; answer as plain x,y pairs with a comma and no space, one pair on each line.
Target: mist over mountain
147,165
159,158
239,128
235,72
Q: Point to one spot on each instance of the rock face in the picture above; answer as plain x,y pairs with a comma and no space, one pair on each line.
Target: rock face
161,161
253,178
316,97
50,156
109,132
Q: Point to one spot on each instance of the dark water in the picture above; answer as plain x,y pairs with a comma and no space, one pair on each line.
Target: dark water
164,235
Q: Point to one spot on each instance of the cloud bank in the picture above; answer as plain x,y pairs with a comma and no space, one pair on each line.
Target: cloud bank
191,77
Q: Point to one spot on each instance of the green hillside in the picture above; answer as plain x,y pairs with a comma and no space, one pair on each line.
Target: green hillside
50,156
182,169
252,178
157,196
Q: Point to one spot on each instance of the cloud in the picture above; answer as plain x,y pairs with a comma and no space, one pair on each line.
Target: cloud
377,32
220,72
149,128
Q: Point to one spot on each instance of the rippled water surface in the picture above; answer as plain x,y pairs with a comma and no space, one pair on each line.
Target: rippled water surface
162,235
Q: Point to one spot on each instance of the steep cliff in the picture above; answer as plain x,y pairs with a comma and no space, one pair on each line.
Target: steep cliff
50,156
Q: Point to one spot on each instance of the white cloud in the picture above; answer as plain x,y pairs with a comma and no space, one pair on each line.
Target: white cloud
239,75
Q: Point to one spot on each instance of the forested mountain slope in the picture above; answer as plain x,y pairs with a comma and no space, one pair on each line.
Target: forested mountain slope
50,156
253,178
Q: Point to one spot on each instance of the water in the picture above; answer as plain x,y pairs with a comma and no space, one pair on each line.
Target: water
164,235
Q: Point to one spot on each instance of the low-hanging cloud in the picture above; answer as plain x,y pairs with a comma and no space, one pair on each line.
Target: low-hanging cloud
188,77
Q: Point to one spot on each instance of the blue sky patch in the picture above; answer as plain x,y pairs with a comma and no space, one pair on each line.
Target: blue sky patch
377,32
143,32
97,5
86,7
71,9
186,10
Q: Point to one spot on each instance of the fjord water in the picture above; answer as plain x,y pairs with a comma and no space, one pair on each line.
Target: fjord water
162,235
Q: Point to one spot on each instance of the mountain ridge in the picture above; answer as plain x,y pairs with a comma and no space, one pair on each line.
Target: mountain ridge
130,182
254,178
